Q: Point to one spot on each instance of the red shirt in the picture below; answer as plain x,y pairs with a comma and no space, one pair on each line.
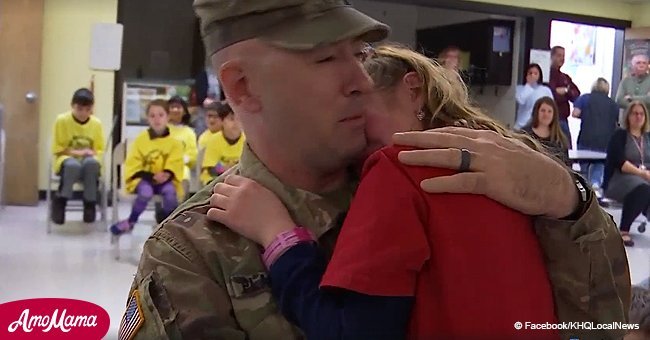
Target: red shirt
474,266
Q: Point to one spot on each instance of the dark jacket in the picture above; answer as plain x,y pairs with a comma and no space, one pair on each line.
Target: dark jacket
560,79
598,122
615,155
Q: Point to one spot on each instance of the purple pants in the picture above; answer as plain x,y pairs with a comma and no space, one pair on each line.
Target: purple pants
146,190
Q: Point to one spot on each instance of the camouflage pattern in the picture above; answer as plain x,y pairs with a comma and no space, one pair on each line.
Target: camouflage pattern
640,309
291,24
199,280
588,269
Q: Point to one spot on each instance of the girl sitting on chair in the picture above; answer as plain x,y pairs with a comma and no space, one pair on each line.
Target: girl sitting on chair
153,166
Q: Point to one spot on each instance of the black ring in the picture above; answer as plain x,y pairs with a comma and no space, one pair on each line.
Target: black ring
465,157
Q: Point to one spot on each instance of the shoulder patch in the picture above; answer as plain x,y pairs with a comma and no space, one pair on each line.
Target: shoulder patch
132,319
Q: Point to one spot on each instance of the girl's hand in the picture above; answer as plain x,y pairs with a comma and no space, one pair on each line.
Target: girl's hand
249,209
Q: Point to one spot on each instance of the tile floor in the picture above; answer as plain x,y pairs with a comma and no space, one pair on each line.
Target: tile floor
78,262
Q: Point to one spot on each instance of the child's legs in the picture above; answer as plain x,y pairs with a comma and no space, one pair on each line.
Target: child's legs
90,175
169,197
145,191
70,172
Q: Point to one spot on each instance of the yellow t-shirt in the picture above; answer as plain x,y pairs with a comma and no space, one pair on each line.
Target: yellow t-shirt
219,151
154,156
204,137
186,135
69,134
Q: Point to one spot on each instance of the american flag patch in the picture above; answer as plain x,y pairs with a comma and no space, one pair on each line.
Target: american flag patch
132,319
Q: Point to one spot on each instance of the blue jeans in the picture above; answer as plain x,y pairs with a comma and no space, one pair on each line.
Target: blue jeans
593,172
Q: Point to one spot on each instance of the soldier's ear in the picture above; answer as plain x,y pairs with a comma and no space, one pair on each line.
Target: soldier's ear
236,87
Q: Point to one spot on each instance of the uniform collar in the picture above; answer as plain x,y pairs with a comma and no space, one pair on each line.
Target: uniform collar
317,212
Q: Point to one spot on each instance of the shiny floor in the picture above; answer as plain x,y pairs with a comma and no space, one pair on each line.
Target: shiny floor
77,261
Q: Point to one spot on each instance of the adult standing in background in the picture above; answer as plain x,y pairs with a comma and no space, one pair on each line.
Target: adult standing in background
599,117
636,86
528,93
563,88
450,58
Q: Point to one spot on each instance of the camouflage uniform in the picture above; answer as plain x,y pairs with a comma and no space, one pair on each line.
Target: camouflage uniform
199,280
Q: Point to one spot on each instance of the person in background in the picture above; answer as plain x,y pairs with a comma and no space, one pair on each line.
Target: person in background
206,86
563,88
212,121
626,168
599,118
78,146
636,86
179,118
545,127
153,166
450,58
224,148
528,93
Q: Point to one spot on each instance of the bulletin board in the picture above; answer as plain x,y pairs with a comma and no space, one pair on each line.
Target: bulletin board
136,95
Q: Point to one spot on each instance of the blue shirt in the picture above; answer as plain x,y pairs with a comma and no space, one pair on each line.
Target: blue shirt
526,97
327,314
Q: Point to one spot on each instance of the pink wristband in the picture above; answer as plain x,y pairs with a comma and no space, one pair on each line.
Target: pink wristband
283,242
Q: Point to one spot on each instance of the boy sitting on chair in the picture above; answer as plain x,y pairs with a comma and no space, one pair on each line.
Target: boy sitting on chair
78,146
223,149
153,166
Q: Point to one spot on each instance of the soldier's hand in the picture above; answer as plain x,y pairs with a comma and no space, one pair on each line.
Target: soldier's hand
503,169
249,209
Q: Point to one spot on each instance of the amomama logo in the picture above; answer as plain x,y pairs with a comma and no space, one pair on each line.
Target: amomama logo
52,319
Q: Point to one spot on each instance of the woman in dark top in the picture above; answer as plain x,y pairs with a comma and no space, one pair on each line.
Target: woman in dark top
626,175
598,120
545,127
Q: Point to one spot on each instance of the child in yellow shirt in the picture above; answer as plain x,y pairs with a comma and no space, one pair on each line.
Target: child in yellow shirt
153,166
212,121
224,148
179,120
78,145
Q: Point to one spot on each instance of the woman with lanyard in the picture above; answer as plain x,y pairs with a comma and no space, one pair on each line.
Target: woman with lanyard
627,178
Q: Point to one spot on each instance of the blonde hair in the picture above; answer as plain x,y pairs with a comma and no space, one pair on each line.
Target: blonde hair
628,112
447,99
600,85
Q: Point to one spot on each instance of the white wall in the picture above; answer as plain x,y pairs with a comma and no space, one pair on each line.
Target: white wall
406,19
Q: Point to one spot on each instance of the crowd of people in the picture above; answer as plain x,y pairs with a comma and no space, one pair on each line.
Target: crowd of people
295,231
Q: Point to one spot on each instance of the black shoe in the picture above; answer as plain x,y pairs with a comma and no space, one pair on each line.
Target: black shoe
58,210
89,212
160,215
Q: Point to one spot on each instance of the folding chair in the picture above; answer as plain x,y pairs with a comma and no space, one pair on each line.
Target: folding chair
75,205
118,159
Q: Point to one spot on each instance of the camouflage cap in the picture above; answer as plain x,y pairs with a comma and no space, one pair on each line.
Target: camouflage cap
292,24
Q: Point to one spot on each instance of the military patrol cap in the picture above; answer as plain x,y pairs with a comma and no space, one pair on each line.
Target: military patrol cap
291,24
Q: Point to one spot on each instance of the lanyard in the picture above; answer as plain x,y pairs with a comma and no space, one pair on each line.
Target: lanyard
641,147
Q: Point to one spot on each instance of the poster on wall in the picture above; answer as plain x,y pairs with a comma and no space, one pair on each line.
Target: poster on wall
578,40
136,97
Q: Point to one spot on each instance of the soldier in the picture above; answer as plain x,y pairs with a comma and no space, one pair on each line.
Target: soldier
199,280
